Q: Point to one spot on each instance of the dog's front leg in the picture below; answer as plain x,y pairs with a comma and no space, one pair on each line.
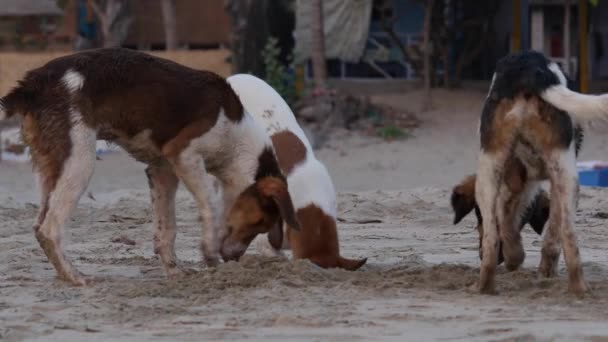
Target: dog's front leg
163,186
189,167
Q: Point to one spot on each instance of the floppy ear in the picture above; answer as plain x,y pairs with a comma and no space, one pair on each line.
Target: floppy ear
276,189
463,198
539,212
275,235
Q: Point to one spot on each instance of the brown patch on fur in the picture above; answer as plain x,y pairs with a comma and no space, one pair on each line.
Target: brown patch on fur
47,158
276,189
318,240
173,147
463,198
259,209
289,149
126,92
502,127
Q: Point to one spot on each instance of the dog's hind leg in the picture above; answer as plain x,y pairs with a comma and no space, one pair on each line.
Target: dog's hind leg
486,192
508,223
517,203
551,246
564,197
65,167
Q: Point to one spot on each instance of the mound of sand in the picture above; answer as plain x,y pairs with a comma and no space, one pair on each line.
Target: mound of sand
418,282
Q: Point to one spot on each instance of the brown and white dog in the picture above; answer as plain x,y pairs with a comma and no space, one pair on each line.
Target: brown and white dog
529,124
183,123
311,188
533,211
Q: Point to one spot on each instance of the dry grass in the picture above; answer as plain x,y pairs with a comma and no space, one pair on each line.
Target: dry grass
13,65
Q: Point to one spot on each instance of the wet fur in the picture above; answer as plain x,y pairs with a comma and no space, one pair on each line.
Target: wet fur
527,137
182,123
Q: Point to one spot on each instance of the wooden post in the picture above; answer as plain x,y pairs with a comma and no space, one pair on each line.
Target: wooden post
583,7
567,66
538,30
319,67
516,26
170,23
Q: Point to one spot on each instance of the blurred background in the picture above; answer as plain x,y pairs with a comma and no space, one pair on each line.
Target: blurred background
364,39
359,74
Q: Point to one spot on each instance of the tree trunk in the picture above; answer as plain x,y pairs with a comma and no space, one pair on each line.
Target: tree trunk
567,16
318,44
170,22
115,20
426,45
249,34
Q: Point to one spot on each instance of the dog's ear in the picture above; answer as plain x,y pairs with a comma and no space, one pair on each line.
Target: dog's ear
463,198
275,235
276,189
539,214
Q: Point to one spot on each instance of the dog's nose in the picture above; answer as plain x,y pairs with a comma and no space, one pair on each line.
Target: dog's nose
230,254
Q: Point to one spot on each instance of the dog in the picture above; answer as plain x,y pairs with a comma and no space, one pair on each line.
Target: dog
184,124
311,187
534,212
529,125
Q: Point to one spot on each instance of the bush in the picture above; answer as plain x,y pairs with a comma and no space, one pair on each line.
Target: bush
277,75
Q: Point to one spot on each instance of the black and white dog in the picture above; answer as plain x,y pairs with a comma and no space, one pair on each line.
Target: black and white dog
530,131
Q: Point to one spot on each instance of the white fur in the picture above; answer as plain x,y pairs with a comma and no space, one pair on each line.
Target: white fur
248,140
230,153
559,73
486,191
583,108
75,176
73,80
309,182
266,106
491,85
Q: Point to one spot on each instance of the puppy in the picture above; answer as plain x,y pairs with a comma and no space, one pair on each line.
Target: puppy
311,188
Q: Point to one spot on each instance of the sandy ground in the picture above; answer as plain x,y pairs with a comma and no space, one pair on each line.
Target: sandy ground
393,208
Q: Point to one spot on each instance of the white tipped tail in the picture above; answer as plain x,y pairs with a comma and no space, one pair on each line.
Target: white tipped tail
581,107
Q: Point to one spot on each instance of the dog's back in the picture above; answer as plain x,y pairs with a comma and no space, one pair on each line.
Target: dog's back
310,184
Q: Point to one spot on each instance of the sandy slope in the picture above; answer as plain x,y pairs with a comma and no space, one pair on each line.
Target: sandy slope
416,285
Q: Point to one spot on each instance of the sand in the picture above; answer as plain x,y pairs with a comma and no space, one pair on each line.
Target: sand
393,209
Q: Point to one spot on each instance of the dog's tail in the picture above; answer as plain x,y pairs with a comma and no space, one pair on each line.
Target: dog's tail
16,102
26,97
583,108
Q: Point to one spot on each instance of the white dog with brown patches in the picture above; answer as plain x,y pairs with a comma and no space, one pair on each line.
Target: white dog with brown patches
182,123
310,185
530,131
